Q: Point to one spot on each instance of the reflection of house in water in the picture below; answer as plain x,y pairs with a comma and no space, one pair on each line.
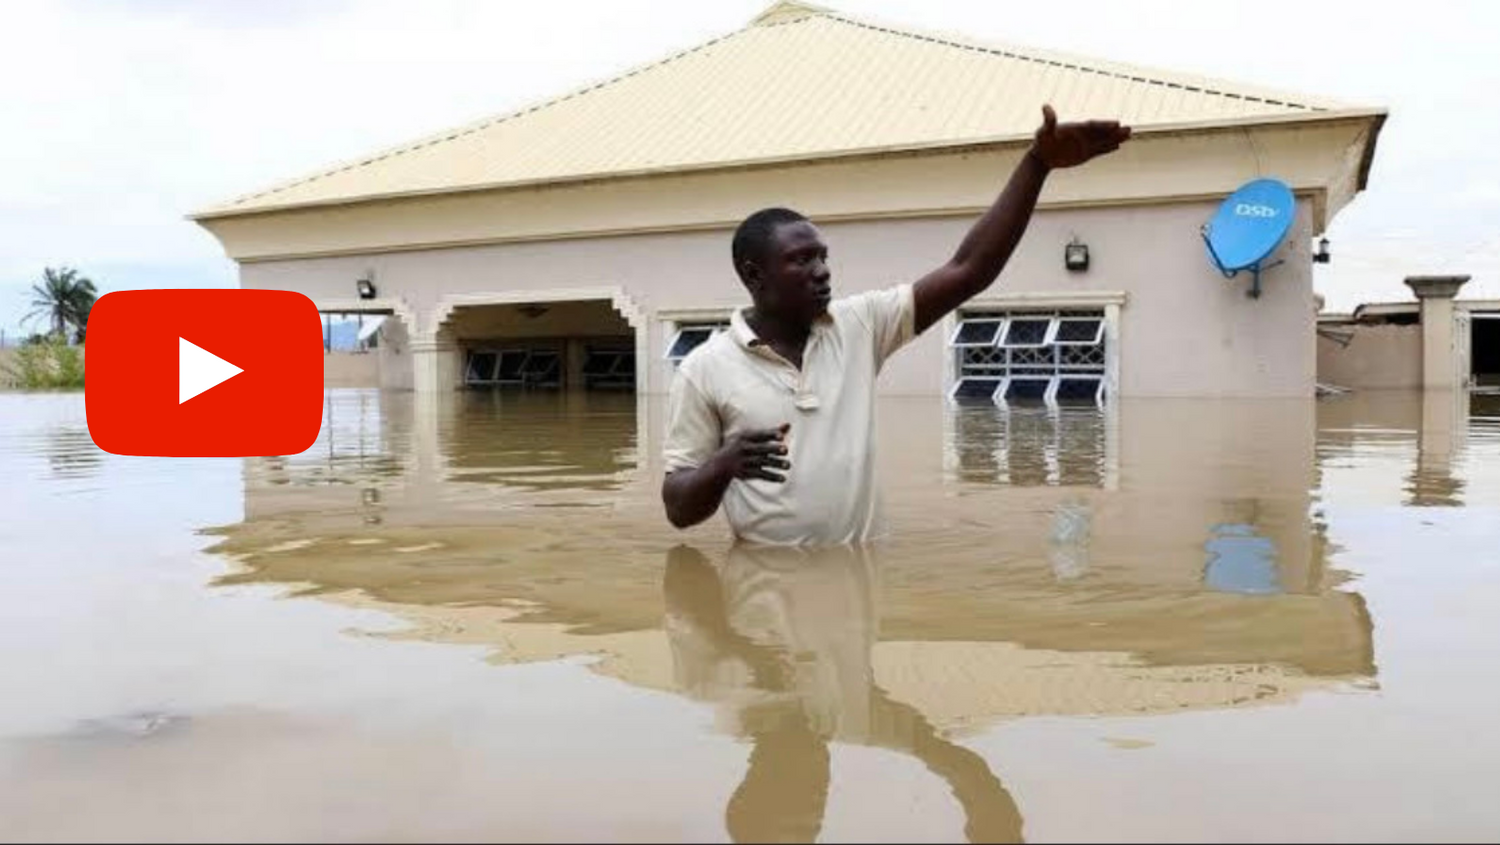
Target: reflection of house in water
1076,595
439,463
1423,431
1240,561
543,441
1030,446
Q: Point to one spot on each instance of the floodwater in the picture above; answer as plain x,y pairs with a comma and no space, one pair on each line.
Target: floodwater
468,620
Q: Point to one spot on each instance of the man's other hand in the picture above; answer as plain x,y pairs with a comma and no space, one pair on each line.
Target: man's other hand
757,454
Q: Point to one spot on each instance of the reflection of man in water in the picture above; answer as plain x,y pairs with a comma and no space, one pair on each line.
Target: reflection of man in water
781,638
773,418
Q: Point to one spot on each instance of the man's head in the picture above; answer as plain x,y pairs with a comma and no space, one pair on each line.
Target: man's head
783,262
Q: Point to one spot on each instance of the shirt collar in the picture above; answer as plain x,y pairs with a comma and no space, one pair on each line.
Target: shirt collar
746,337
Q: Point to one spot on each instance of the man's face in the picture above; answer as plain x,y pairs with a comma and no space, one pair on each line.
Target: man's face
791,280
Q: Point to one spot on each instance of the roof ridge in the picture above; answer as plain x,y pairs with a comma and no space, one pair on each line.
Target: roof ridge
478,125
1102,67
788,11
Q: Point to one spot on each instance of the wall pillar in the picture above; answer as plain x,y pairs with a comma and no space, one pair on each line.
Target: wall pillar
437,364
574,357
394,353
1440,355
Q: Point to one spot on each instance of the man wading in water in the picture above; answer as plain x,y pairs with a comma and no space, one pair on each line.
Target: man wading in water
774,418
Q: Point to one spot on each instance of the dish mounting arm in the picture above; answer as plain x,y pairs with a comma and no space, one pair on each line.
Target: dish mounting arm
1255,269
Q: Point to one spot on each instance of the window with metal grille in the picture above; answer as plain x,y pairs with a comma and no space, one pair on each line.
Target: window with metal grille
690,336
1030,357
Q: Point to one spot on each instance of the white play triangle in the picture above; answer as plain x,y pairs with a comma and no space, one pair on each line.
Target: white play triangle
198,370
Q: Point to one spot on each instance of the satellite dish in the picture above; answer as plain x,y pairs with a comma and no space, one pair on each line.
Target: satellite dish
1248,227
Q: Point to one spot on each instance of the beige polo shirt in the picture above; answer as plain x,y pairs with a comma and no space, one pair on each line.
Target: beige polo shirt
733,382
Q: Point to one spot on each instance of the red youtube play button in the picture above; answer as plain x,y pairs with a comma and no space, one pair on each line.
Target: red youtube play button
204,373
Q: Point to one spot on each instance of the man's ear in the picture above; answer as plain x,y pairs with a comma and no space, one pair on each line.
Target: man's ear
750,274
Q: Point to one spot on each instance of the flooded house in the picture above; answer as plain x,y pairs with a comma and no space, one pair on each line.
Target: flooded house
1435,341
582,243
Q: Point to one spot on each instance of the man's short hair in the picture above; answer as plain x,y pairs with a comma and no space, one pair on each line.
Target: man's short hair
754,234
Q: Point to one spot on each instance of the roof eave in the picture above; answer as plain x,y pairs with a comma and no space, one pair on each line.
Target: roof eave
1378,119
1377,115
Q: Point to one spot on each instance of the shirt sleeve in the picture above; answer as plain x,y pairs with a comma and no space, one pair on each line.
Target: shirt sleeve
693,430
891,315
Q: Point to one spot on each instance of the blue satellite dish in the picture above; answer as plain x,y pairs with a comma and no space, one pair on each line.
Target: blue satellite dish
1248,227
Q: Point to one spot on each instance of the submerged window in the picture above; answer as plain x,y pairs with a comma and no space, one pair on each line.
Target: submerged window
481,367
605,368
1075,390
528,367
1030,357
542,369
976,388
511,365
1031,390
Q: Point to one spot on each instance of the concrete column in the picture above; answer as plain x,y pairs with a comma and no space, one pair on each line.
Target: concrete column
394,354
1439,354
573,360
437,364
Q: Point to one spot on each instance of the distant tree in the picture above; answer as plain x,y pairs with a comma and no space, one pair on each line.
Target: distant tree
64,299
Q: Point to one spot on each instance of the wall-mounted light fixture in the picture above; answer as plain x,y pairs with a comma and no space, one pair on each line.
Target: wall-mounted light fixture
1076,256
1322,256
366,287
532,311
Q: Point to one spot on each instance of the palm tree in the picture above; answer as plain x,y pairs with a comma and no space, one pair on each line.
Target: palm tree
64,298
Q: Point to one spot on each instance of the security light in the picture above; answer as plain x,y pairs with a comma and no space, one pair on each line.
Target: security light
366,289
1076,256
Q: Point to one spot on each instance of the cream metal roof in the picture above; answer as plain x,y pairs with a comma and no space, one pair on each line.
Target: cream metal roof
798,82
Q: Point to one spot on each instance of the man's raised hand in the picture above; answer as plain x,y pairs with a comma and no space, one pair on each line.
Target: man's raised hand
1071,144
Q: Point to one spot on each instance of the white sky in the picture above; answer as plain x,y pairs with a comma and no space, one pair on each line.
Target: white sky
119,118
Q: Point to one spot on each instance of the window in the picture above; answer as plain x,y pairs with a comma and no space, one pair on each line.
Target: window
1075,390
972,334
1030,357
601,363
1079,331
543,368
606,368
690,336
1026,332
481,367
527,367
512,362
1028,389
976,388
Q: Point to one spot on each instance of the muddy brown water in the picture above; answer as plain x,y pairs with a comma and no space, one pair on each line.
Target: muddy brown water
468,620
